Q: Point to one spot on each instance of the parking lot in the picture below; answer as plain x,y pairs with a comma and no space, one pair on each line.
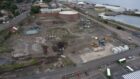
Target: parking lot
119,70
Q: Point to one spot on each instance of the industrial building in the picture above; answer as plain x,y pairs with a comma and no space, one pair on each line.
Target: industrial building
115,8
99,8
46,10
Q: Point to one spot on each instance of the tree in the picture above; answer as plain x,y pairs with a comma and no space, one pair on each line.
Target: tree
8,5
35,9
16,13
19,1
47,1
13,6
1,14
5,5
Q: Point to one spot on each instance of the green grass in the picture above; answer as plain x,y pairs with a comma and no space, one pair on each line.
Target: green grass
67,62
10,67
4,49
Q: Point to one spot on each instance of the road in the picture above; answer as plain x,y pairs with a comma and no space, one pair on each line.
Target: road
57,74
15,20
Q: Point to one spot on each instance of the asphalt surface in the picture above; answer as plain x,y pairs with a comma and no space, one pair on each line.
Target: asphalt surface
57,74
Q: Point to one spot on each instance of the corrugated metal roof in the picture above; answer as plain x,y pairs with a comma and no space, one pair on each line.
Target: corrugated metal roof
134,75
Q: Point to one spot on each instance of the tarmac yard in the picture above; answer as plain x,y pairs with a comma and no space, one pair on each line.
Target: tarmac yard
118,70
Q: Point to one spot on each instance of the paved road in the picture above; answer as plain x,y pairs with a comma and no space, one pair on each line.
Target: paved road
57,74
15,20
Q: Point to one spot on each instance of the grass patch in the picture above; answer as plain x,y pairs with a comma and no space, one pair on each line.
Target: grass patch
10,67
4,49
67,62
58,32
4,35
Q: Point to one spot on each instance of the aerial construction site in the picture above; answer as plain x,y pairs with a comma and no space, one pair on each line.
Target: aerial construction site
62,36
66,33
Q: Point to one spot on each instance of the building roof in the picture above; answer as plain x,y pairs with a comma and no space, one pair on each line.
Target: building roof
115,8
99,5
41,5
68,12
138,12
81,3
134,75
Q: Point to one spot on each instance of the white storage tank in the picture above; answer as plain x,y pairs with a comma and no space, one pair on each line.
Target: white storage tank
115,51
69,15
126,47
120,49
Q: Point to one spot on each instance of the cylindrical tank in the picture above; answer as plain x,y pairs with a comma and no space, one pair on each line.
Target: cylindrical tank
122,48
119,49
115,51
69,15
126,47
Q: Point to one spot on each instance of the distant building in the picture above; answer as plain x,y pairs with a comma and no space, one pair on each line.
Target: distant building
100,7
42,5
46,10
137,12
81,3
115,8
71,1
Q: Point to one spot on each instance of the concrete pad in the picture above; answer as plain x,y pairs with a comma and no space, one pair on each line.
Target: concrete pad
86,57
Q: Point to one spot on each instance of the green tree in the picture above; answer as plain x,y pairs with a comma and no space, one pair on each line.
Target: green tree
8,5
16,13
35,9
5,5
47,1
19,1
1,14
13,6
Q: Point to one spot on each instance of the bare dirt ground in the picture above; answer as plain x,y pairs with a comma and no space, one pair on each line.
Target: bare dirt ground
79,35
